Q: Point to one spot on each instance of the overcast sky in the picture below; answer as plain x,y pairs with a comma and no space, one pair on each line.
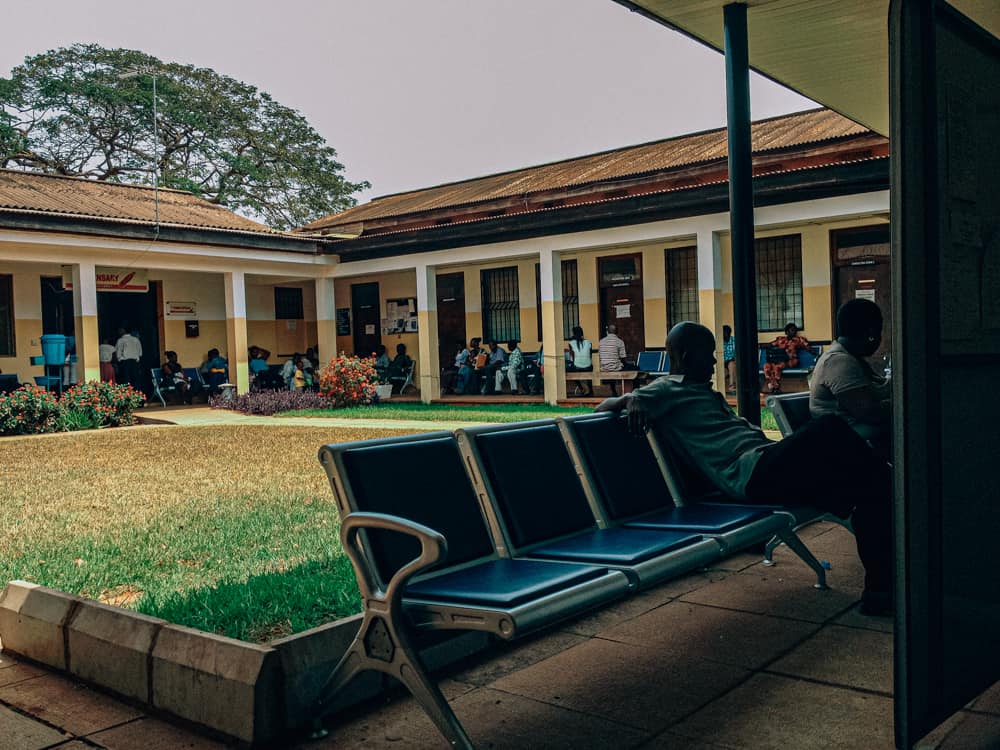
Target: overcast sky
414,93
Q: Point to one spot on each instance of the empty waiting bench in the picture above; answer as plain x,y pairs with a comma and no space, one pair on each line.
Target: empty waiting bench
426,560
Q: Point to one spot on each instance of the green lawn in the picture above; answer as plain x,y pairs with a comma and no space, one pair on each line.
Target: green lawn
446,412
477,413
230,529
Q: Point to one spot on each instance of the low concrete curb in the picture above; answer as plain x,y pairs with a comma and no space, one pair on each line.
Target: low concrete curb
251,692
110,646
33,622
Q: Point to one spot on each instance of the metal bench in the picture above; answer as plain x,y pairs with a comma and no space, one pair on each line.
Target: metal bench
807,360
790,410
405,379
688,486
634,487
568,530
654,364
427,560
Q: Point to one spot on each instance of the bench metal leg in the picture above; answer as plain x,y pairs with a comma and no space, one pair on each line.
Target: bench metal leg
776,540
789,537
380,646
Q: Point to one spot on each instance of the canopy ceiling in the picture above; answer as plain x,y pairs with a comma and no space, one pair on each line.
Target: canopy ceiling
836,52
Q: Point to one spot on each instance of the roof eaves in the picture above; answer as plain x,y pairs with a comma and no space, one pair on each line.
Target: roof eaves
277,237
599,201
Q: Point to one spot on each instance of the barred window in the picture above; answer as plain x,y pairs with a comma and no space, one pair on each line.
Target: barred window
571,298
682,285
6,315
779,282
288,303
501,305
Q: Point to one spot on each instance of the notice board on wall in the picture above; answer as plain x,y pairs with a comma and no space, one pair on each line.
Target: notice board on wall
343,321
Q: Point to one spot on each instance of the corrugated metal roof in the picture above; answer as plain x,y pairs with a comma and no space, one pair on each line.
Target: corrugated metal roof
91,199
773,134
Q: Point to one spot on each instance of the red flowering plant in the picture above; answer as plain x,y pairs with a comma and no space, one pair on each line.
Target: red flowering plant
98,404
28,411
348,381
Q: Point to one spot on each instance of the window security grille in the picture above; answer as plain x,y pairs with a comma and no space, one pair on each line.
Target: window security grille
682,285
779,282
501,304
571,298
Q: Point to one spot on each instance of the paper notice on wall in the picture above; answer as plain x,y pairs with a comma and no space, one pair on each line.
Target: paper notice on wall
369,329
623,311
868,294
391,310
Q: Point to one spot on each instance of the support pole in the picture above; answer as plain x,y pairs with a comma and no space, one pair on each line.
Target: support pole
741,209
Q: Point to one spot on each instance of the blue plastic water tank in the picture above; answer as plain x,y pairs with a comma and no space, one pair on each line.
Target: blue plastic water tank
54,348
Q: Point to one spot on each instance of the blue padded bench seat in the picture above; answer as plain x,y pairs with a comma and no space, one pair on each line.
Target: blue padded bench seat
616,546
503,583
708,519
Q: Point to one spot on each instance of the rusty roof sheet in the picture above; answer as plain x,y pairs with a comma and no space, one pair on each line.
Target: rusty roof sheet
34,192
773,134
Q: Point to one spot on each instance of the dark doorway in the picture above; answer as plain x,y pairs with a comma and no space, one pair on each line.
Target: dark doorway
450,315
862,270
138,312
367,321
57,307
620,281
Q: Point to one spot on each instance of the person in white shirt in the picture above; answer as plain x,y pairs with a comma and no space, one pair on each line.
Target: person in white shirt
581,356
128,351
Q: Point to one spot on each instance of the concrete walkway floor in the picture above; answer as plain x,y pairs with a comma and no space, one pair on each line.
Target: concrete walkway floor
737,656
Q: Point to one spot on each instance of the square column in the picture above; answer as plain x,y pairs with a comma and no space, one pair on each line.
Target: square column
88,362
236,330
326,320
428,366
552,326
710,309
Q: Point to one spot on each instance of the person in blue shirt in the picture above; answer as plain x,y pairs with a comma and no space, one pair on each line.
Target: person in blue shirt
215,370
729,358
258,360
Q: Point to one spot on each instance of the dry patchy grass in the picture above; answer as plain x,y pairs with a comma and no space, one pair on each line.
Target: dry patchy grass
180,522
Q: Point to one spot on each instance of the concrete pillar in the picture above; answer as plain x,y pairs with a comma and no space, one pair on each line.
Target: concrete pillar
236,330
428,366
326,320
88,363
552,326
710,310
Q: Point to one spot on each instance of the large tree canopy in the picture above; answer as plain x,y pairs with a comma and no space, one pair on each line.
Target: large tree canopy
88,111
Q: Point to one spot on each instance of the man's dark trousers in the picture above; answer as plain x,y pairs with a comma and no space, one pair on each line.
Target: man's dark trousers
849,480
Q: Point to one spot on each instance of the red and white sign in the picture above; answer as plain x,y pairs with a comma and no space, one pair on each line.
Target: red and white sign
113,279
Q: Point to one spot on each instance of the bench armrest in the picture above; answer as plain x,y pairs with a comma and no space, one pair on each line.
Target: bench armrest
433,549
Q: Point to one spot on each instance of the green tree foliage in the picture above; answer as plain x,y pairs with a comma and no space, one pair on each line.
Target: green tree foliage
88,111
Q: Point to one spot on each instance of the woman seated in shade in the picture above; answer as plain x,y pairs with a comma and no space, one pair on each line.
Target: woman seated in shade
581,359
399,368
792,343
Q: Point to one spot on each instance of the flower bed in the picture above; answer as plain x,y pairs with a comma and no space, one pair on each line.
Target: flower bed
266,403
349,381
31,410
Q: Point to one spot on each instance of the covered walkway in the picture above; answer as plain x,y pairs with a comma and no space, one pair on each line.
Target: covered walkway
737,656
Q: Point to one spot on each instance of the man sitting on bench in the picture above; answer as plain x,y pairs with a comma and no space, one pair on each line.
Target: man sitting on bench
737,457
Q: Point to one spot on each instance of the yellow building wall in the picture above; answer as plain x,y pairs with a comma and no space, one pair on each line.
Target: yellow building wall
390,286
27,322
529,340
817,281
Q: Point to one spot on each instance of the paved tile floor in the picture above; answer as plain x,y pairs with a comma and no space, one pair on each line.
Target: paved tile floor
738,656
